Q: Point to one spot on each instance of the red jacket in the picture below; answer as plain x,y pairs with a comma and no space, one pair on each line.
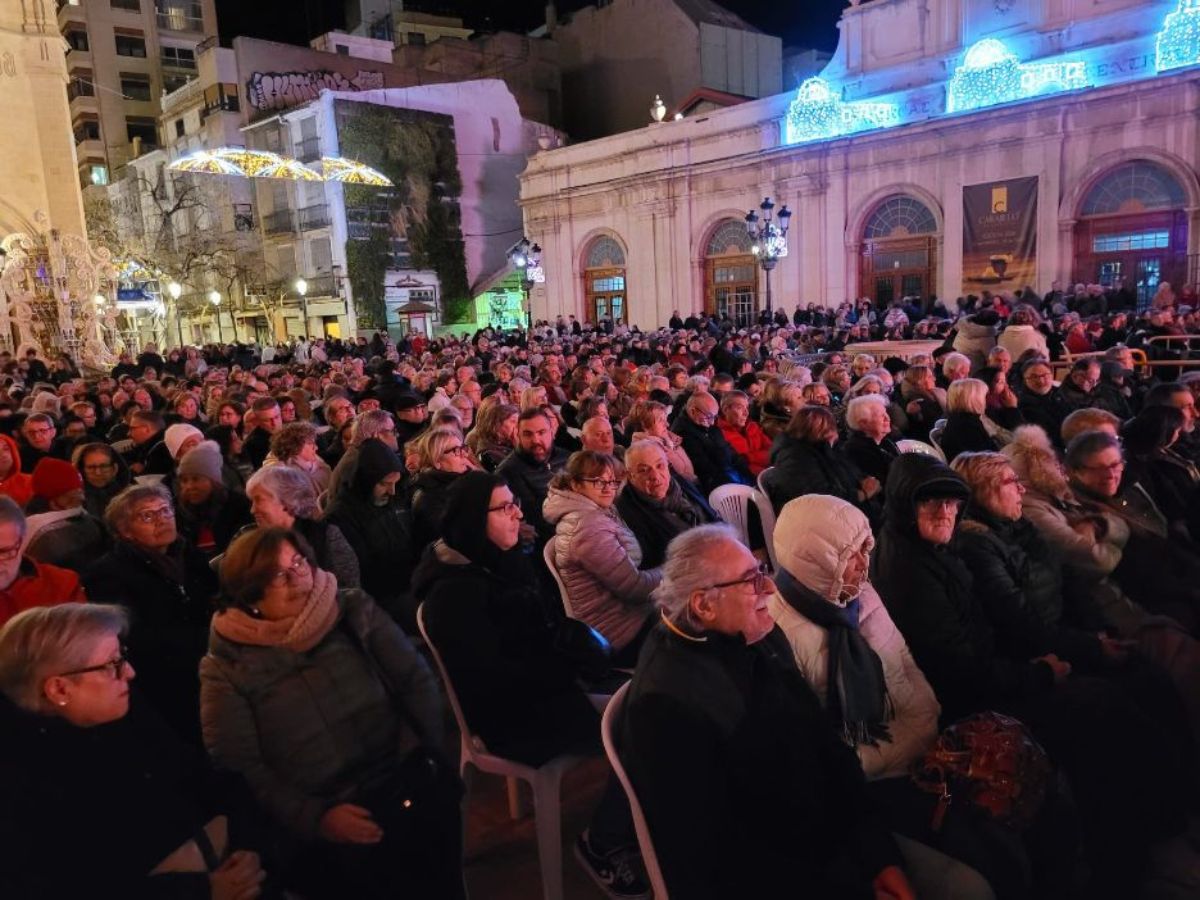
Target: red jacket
751,442
39,584
17,484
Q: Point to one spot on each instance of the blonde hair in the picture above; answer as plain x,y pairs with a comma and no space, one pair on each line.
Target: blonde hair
982,472
967,395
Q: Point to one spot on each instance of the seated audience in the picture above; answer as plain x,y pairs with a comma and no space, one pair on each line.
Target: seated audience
104,475
870,446
596,554
745,436
14,482
58,530
1152,460
656,504
1038,401
649,422
529,468
443,457
494,434
149,454
712,457
968,428
295,445
209,513
318,700
25,582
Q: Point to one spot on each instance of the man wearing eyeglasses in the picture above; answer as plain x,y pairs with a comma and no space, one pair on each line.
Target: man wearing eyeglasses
712,457
25,583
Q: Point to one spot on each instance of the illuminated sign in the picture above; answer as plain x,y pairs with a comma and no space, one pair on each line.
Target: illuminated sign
818,114
992,74
1178,43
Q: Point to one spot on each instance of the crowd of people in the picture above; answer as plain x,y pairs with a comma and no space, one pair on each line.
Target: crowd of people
219,571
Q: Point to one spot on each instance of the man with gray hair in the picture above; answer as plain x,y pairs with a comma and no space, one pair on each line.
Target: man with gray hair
712,457
656,504
24,582
719,728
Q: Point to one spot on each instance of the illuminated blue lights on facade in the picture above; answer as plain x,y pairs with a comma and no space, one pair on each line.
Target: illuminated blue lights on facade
818,114
1178,43
992,74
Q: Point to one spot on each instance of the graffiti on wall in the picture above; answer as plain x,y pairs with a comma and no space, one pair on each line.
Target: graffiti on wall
283,90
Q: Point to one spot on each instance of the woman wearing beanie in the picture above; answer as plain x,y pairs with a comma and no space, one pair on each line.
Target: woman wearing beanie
59,531
334,719
209,513
480,605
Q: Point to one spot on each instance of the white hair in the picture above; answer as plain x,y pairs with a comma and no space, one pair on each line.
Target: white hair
857,407
687,567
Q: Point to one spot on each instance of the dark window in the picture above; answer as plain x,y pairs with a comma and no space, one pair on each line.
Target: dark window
180,57
131,46
87,130
78,40
132,5
342,49
80,86
179,128
144,129
135,87
416,38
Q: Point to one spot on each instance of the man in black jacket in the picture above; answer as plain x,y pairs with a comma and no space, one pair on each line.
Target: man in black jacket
712,457
657,505
267,420
529,467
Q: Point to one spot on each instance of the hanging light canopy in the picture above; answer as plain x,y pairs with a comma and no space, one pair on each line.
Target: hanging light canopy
289,169
207,163
347,171
252,162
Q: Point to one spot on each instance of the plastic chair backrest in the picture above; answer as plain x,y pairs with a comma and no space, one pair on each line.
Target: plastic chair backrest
908,445
641,826
732,504
766,514
548,555
470,740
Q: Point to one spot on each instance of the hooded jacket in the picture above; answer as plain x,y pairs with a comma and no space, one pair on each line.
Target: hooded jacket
931,595
1016,339
96,500
18,484
597,557
975,341
814,540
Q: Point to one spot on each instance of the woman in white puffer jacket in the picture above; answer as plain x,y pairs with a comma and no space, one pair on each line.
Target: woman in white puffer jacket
823,545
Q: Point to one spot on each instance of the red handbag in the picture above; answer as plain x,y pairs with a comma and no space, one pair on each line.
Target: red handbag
989,762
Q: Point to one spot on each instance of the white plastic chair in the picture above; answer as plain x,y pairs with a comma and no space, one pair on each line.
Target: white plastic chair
732,504
545,781
908,445
548,555
935,436
645,843
766,512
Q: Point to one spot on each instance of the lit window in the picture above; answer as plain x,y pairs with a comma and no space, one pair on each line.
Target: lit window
99,175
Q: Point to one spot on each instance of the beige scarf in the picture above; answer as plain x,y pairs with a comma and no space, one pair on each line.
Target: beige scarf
298,633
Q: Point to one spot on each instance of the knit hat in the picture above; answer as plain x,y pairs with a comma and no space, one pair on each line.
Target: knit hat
204,459
55,477
175,436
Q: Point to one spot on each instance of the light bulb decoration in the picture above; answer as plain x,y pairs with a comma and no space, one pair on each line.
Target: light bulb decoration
818,114
991,74
1178,43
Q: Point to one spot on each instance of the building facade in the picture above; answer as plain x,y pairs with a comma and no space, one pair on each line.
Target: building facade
1072,120
122,56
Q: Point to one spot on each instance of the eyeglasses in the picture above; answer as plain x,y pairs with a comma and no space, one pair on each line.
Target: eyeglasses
508,508
941,503
761,581
114,666
8,553
100,467
459,450
151,516
1106,467
292,572
604,484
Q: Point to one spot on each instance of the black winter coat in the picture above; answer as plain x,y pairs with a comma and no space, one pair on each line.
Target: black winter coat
517,693
382,540
656,522
712,457
702,724
224,515
965,433
530,482
869,457
1046,411
930,593
799,468
428,505
1018,579
170,604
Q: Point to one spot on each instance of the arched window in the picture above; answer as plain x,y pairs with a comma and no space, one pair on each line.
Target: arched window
731,273
1131,233
899,217
899,253
1134,187
604,280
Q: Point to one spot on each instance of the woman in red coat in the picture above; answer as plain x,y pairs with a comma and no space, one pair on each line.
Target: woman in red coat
745,437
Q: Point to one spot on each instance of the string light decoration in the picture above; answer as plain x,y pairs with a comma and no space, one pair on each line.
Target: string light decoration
1178,44
290,169
347,171
207,163
818,114
249,161
991,74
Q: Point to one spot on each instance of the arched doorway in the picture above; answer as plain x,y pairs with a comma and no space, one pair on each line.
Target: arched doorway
604,281
1132,230
899,251
731,274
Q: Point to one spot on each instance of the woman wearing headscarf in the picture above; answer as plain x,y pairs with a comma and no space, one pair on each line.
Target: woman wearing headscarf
482,612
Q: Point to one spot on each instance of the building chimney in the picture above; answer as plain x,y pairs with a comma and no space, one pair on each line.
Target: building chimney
551,17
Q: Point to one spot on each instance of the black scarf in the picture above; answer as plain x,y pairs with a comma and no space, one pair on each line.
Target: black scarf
856,699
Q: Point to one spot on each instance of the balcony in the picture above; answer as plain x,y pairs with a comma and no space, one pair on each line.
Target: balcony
308,150
279,222
314,217
174,20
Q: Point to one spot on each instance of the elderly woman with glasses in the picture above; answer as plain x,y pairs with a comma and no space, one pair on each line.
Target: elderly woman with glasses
141,812
719,728
316,697
597,555
167,585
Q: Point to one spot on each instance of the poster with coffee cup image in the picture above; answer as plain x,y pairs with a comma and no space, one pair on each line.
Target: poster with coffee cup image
999,235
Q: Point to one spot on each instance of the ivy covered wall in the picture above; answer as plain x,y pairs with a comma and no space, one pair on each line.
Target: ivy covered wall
416,224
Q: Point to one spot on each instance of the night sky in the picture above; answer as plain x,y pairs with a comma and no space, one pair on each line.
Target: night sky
296,21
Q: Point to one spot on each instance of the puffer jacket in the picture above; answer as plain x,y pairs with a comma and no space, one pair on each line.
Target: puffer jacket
975,341
597,557
307,730
1016,339
751,443
817,556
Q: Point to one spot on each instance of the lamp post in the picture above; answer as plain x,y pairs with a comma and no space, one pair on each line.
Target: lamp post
769,237
302,290
175,289
526,258
214,297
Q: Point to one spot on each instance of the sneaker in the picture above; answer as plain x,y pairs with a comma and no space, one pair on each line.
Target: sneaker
618,873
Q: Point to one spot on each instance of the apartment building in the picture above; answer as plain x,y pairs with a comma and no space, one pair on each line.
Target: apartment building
122,56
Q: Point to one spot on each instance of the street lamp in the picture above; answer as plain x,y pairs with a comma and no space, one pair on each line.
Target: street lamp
175,289
526,258
769,237
214,297
302,290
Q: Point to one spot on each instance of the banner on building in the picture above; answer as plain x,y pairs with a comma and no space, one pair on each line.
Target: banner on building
999,235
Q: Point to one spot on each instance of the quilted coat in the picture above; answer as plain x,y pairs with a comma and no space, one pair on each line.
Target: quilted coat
597,557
